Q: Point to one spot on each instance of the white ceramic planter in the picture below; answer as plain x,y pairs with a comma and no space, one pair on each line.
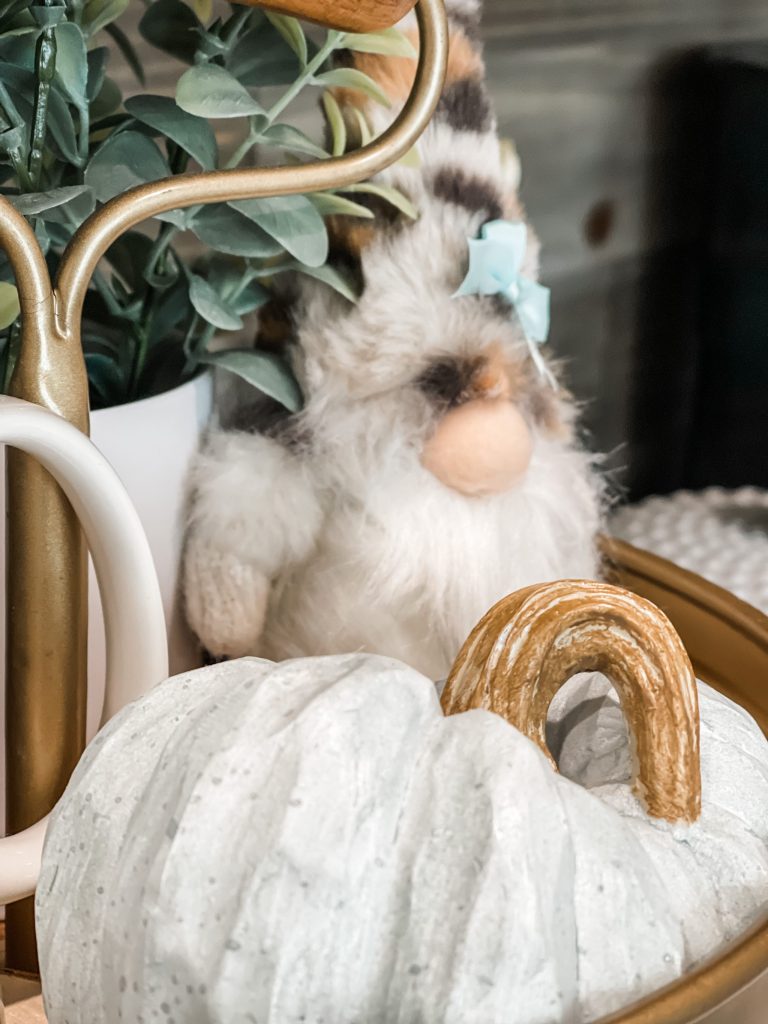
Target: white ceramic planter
149,444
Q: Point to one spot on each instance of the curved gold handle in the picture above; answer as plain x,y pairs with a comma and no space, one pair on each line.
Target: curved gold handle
530,643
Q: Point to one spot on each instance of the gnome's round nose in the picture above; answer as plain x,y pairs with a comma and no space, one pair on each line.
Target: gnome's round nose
483,445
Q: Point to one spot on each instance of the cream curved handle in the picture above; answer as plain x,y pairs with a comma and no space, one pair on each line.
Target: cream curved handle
137,650
530,643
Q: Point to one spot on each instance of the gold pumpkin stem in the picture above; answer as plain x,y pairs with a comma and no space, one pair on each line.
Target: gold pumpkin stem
530,643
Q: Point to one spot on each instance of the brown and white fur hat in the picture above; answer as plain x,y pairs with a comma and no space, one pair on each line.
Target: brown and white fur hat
433,469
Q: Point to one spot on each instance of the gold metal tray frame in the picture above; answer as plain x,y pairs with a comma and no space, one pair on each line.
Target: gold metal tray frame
46,558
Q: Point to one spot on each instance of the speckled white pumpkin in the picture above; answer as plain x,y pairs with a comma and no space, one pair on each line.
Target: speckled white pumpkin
315,842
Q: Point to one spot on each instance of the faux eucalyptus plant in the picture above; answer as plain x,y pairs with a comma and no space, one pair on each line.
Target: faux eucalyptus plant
69,142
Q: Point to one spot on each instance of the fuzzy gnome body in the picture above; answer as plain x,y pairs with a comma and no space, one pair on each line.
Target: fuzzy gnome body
433,468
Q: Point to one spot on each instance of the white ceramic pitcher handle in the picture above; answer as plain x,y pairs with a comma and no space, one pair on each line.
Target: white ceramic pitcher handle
137,649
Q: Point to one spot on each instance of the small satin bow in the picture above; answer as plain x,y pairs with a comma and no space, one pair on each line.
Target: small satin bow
495,260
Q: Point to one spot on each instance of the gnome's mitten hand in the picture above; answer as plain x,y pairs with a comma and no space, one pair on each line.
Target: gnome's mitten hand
254,512
226,600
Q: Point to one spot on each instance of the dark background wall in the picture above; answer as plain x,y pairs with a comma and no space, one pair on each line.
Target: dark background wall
610,104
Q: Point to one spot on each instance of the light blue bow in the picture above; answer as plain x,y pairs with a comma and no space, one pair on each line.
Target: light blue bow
495,260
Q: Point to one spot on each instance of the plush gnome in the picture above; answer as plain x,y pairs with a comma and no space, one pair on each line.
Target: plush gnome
433,468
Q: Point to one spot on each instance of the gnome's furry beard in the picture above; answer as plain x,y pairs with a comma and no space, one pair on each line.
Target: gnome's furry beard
405,566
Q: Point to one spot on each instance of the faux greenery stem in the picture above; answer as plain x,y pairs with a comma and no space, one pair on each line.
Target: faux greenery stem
45,72
332,41
16,153
242,149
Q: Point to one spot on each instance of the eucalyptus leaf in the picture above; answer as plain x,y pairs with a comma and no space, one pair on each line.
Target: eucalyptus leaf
128,255
210,306
97,67
19,49
107,102
71,63
193,134
171,311
328,203
390,41
351,78
125,160
99,13
208,90
264,370
172,27
12,139
251,297
336,123
366,135
62,127
287,137
9,304
292,33
334,278
292,221
49,16
227,230
34,203
9,12
22,84
105,379
261,57
389,193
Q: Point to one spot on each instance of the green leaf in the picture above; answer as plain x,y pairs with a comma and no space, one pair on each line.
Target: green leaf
99,13
107,102
292,33
210,306
293,222
21,83
173,308
105,378
351,78
19,49
336,123
389,193
227,230
331,276
9,304
389,41
69,214
71,63
128,255
124,161
328,203
250,298
126,47
265,370
172,27
366,135
210,91
62,128
262,57
287,137
48,16
97,66
35,203
193,134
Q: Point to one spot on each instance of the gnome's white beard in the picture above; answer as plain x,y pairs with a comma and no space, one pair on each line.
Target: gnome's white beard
405,566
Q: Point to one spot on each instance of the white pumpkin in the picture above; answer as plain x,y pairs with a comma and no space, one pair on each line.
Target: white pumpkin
315,841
